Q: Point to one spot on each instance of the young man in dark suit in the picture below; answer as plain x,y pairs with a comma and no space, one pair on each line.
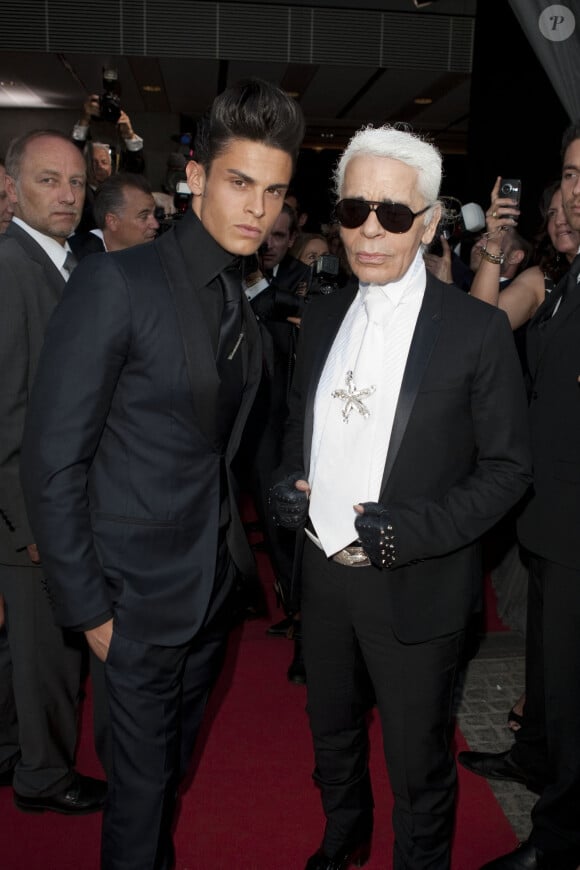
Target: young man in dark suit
150,367
546,752
407,439
46,185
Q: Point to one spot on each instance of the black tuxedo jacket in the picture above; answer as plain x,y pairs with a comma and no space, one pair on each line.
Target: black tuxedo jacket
548,525
83,244
122,465
30,288
458,456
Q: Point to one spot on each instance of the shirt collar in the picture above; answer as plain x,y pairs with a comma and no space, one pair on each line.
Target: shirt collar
413,281
51,248
204,257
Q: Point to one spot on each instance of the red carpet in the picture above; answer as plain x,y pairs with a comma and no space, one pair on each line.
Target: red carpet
252,804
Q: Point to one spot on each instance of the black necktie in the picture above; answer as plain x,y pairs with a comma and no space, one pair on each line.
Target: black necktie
70,263
231,322
229,356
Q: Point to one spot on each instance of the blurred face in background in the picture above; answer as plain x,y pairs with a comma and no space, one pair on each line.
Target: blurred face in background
6,210
101,163
134,224
563,237
313,250
277,243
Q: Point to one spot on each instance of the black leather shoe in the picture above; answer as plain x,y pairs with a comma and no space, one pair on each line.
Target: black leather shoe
281,629
348,857
297,672
84,795
498,765
525,857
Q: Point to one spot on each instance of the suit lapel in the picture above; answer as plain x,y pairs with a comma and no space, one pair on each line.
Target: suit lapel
422,344
545,325
199,353
54,279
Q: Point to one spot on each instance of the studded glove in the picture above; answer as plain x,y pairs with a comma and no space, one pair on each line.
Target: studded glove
376,535
289,505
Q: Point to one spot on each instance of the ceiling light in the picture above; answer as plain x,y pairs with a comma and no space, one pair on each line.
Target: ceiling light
420,3
423,101
151,89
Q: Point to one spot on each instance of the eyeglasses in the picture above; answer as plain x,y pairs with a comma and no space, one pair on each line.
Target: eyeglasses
392,216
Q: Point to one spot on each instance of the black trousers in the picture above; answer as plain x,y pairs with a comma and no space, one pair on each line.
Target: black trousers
44,692
346,616
548,744
157,696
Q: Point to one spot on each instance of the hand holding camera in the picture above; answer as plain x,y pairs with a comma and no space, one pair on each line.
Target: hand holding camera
504,210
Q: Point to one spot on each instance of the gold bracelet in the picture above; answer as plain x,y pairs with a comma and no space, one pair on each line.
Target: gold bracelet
496,259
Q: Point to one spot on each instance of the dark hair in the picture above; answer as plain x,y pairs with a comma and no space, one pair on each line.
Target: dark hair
110,196
252,109
546,257
18,146
570,134
292,218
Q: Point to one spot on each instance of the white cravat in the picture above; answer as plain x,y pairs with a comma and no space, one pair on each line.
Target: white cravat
342,472
348,458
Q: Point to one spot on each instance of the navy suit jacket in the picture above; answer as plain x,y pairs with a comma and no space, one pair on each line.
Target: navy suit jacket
458,457
122,466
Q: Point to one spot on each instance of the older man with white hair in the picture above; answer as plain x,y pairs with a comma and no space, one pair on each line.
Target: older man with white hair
406,441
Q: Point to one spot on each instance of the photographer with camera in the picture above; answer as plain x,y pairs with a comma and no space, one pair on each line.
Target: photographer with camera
103,158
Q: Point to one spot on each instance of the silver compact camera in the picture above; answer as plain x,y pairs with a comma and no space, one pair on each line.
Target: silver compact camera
511,188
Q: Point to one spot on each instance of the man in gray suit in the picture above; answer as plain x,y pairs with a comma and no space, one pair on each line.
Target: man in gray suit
45,181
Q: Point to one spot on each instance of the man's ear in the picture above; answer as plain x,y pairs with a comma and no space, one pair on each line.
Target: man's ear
516,257
10,186
111,222
196,177
431,227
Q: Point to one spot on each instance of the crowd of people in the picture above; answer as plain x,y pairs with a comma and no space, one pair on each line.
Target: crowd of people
383,420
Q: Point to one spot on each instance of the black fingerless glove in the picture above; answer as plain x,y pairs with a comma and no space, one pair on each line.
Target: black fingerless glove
289,505
375,532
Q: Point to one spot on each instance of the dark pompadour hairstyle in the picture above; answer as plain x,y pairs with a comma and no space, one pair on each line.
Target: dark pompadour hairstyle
570,134
110,197
252,109
17,147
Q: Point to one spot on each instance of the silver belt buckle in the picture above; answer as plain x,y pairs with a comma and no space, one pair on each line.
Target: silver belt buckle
352,557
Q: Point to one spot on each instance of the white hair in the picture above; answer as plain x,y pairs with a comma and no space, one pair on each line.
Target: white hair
388,141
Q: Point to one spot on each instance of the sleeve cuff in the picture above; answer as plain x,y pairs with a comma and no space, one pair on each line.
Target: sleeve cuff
255,289
134,144
93,623
80,132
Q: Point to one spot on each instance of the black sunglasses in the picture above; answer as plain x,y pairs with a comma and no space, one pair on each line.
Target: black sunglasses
392,216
